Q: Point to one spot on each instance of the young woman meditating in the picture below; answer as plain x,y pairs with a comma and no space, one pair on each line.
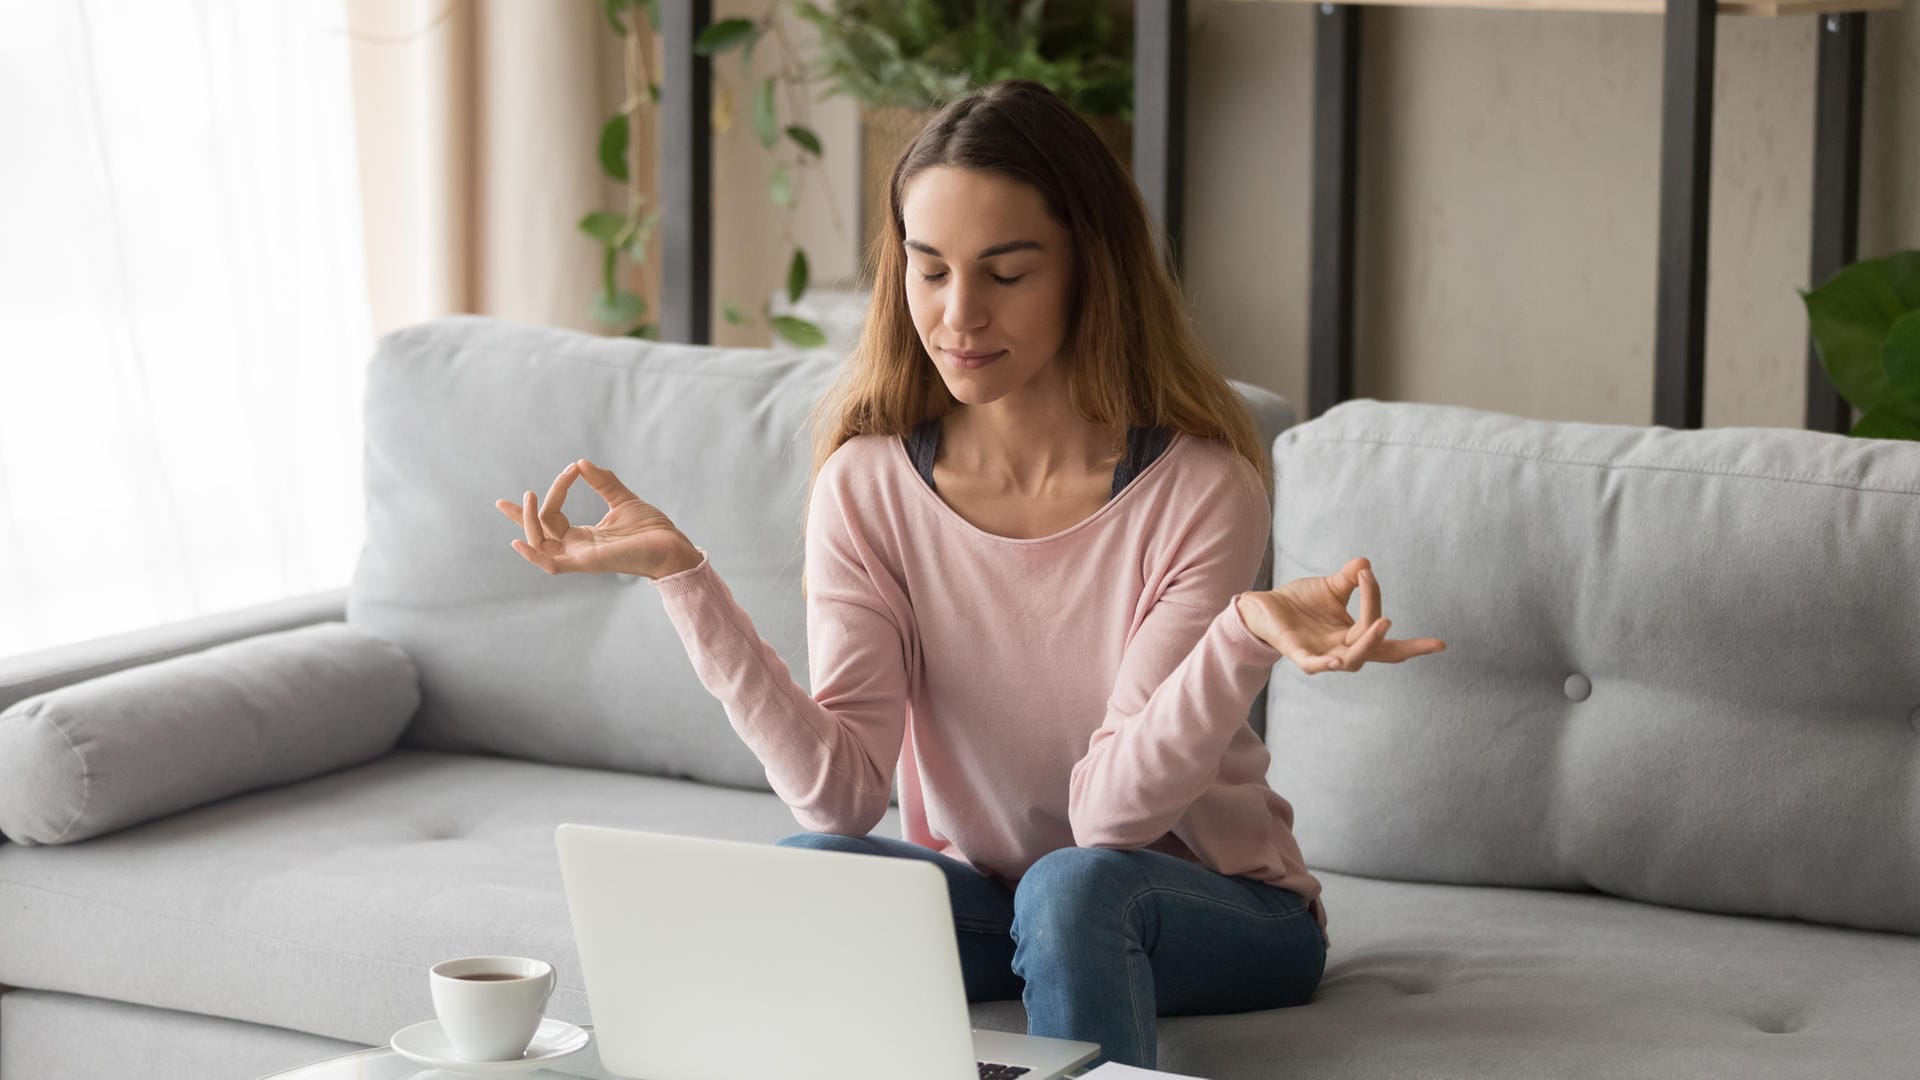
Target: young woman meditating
1035,511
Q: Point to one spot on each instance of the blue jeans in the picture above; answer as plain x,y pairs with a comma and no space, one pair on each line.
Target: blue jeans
1098,942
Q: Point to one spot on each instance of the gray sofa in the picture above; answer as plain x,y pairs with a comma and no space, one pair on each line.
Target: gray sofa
1655,811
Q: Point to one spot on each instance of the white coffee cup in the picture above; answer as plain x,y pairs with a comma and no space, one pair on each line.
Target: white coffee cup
491,1006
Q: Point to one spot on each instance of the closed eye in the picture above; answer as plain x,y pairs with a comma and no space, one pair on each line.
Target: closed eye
996,277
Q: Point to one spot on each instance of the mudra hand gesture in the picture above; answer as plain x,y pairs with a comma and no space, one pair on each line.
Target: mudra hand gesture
1307,621
633,538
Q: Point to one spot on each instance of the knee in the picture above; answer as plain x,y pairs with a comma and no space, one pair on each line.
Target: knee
823,841
1075,884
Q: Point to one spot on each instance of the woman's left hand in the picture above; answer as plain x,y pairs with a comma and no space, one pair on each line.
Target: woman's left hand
1307,621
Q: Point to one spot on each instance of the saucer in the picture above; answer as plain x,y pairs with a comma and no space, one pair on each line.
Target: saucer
426,1043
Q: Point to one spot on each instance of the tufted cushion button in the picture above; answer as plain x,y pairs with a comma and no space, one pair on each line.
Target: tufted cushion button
1578,688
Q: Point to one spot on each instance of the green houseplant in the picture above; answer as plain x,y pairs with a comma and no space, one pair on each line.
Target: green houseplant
898,59
901,59
628,234
1865,322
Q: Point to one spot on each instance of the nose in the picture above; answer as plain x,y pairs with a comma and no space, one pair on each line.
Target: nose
966,307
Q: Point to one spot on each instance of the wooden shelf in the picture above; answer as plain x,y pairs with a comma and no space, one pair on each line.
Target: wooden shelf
1764,8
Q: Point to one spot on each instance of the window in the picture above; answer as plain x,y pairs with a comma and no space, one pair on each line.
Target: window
183,315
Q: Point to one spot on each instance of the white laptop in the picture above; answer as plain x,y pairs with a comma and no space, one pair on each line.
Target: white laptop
721,960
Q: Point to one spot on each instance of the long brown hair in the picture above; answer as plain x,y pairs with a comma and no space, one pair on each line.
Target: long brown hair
1132,356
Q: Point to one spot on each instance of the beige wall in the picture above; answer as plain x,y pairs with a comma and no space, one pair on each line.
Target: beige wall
1509,191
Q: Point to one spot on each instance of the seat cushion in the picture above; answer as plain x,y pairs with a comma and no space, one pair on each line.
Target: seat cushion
1451,981
319,907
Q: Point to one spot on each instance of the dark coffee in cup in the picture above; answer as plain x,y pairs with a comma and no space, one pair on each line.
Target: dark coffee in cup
490,1007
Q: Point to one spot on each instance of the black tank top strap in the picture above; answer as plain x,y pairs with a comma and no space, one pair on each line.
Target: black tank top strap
923,442
1144,444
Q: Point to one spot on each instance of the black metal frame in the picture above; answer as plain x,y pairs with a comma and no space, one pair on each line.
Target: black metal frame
1336,134
1836,188
1160,119
1685,172
686,175
1159,169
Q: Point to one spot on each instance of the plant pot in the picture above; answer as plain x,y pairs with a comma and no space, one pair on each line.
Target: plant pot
884,136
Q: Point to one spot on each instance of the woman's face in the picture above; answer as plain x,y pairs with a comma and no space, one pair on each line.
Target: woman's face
988,271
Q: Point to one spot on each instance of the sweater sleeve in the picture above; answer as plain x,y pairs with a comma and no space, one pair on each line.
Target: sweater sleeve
1185,685
829,755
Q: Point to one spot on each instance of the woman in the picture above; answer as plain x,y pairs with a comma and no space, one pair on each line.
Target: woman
1034,511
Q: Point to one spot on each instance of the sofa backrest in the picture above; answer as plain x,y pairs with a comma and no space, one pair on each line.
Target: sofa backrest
1682,666
584,669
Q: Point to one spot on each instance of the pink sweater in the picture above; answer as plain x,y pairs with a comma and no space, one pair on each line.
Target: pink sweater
1088,688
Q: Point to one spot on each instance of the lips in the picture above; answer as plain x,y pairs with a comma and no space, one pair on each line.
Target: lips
973,361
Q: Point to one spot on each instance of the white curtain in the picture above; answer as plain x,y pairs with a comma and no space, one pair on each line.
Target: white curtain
183,313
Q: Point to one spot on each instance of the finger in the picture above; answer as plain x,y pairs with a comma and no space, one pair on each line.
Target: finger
1348,578
1312,663
1369,596
552,564
530,520
526,552
1392,652
509,508
1357,654
604,482
551,520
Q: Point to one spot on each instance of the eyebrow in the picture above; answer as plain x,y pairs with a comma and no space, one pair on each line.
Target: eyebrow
997,249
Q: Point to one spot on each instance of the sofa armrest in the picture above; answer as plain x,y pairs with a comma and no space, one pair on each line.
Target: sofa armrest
24,675
153,739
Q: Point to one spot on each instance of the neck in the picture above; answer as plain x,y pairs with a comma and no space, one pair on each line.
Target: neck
1028,444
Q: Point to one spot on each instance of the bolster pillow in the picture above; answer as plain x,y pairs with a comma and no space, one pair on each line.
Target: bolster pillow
153,740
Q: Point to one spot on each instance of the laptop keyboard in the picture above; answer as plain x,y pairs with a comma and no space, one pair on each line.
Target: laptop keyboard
993,1071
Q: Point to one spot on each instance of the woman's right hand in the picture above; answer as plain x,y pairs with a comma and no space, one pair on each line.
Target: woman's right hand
634,537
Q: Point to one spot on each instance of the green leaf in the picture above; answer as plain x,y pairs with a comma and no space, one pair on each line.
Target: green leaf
796,275
653,92
798,332
1895,418
780,187
613,148
765,124
723,35
1901,357
612,9
622,309
653,12
732,314
1850,316
806,138
644,330
602,225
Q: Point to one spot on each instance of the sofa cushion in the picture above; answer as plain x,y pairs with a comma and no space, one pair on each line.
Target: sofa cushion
1680,666
319,907
152,740
585,669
